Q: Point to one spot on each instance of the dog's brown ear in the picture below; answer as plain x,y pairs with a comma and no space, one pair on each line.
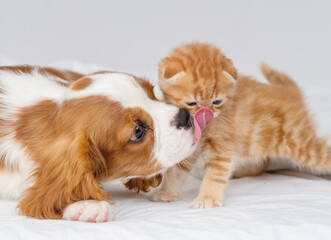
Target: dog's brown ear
65,175
98,162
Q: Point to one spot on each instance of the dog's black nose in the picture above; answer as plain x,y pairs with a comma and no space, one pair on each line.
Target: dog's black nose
183,119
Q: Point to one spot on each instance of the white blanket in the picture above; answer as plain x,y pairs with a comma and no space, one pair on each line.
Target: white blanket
278,205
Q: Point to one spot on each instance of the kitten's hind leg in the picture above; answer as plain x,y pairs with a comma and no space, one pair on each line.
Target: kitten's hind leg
173,180
255,168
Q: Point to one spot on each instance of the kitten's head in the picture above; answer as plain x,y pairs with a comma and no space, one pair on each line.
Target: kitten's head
196,75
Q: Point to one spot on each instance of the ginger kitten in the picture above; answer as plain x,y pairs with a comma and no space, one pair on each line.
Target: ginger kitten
252,121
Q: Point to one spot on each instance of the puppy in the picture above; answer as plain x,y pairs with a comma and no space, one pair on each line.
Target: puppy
63,133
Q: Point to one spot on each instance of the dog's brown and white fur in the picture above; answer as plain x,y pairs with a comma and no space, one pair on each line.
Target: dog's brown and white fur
62,133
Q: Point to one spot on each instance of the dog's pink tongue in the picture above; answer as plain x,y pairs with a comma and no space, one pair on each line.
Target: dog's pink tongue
201,118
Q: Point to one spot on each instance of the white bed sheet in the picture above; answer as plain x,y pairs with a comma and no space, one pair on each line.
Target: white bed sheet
278,205
272,206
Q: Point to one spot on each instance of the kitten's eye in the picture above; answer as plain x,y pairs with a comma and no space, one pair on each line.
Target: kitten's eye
191,104
138,134
217,102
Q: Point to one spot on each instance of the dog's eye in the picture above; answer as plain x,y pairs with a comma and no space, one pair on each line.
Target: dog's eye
191,104
138,134
217,102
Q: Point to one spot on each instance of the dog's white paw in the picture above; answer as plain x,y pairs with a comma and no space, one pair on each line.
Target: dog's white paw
89,211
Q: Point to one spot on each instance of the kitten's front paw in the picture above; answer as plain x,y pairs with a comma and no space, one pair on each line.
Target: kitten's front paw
89,211
143,184
164,196
206,202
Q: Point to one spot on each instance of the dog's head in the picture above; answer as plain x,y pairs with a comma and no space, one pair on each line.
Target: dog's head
127,131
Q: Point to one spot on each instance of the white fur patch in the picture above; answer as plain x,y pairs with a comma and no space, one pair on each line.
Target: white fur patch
89,211
24,89
14,182
158,92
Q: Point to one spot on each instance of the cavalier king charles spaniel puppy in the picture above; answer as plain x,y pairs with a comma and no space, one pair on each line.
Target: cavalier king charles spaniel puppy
62,134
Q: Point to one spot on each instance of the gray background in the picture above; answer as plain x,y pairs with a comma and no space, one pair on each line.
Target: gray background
132,36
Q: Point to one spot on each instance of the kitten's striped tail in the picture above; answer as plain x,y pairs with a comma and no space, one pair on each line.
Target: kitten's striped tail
314,154
276,77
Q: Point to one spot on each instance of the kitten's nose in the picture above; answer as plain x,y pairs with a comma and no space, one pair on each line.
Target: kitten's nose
183,119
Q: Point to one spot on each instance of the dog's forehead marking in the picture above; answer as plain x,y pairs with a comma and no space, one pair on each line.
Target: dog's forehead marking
118,87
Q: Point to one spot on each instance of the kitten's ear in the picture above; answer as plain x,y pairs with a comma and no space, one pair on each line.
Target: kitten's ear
227,66
229,77
158,93
170,71
174,78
